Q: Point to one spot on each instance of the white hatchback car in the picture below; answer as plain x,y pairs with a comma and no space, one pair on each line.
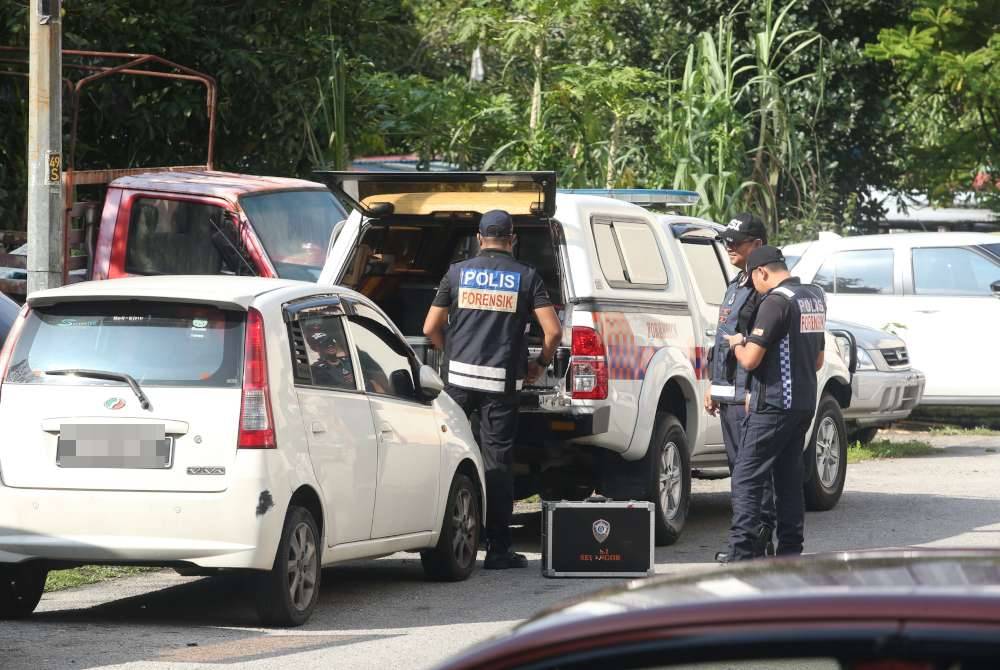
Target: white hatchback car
208,423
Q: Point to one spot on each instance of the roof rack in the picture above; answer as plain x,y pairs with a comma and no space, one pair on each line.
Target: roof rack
641,196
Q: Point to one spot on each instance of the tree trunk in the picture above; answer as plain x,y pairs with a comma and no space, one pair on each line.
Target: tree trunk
616,131
536,93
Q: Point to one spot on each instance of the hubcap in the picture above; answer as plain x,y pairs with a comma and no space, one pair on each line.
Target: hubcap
302,566
828,452
670,480
464,527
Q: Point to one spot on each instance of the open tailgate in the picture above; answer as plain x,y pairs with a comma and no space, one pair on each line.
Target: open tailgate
429,193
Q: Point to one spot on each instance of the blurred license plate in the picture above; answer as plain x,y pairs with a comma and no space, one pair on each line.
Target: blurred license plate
114,446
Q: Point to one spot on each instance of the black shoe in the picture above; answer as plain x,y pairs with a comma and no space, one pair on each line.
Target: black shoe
765,545
503,561
722,557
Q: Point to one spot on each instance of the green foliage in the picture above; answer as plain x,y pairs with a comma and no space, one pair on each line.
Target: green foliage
946,55
757,105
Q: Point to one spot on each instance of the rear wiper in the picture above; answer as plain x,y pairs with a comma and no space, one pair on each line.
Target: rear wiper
110,376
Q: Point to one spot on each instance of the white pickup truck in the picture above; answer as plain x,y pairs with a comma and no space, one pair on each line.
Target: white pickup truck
620,410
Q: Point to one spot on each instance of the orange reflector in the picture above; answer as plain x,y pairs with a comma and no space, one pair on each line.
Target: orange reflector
562,425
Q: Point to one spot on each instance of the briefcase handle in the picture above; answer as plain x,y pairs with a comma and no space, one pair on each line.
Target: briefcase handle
597,499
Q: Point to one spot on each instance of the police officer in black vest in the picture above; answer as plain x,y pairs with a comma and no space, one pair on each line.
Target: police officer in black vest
727,394
479,317
782,353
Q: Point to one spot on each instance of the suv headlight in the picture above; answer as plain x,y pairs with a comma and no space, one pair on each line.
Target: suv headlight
865,361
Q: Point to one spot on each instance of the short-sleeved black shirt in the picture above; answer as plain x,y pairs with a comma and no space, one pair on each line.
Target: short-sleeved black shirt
537,288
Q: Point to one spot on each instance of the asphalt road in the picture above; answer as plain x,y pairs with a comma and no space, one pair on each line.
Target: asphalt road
382,614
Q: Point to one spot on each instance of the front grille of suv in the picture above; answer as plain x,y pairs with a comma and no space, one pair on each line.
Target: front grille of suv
896,357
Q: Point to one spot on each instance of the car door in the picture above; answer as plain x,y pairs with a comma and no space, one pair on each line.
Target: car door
862,285
409,442
948,301
337,417
708,272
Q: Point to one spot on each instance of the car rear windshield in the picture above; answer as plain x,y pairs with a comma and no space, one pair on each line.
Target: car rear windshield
157,343
295,229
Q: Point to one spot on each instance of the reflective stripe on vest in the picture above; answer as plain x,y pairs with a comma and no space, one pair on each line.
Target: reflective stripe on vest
480,384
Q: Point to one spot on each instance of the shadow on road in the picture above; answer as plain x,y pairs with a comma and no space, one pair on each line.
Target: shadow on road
213,619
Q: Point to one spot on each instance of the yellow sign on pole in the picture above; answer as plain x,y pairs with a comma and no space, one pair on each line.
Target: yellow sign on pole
55,168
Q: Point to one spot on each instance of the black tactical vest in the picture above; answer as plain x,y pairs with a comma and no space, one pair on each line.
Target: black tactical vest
785,380
491,302
729,378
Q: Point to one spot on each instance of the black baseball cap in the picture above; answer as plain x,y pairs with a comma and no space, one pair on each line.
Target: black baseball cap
763,256
496,223
745,226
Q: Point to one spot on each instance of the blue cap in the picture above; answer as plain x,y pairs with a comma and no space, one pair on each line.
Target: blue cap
496,223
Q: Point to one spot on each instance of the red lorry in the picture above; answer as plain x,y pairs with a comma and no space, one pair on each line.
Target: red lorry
178,220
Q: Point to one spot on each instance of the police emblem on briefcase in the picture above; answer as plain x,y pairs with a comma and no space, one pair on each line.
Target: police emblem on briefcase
601,529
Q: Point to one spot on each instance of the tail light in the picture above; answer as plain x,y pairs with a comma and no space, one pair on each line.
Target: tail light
8,347
256,425
588,365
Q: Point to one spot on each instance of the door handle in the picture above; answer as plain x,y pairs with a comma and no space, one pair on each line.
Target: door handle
385,432
317,427
709,332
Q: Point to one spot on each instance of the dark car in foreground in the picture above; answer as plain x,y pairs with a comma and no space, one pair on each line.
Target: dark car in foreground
899,610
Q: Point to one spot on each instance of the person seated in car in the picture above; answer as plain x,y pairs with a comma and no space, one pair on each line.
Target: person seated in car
332,366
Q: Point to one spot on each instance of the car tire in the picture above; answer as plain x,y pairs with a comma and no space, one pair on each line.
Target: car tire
21,587
668,464
454,557
287,594
863,435
826,457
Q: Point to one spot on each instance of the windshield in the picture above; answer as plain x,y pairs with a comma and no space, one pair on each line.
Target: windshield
159,344
295,228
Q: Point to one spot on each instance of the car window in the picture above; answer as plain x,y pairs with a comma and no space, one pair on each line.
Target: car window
159,344
321,354
629,254
864,271
952,271
295,229
174,237
385,362
707,270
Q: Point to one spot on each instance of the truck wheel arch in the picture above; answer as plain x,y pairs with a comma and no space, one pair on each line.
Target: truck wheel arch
840,389
668,387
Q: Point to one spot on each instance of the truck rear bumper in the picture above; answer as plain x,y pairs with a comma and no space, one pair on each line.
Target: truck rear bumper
535,425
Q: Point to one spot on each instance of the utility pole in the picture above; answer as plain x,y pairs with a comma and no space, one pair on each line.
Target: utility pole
46,228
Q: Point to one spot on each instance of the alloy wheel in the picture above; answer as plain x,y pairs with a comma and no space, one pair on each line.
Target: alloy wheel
670,480
828,452
302,566
463,520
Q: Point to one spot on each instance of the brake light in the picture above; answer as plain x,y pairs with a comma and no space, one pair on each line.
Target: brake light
256,425
588,365
11,341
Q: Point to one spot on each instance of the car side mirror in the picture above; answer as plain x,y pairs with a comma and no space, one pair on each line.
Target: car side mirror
431,383
995,288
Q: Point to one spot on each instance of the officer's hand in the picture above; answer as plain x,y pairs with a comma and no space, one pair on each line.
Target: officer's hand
735,339
534,372
711,406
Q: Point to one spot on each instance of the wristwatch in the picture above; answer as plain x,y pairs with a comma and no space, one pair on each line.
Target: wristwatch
542,362
742,342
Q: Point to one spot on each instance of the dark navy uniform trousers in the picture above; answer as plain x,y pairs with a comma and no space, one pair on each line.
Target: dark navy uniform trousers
733,417
772,445
497,429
